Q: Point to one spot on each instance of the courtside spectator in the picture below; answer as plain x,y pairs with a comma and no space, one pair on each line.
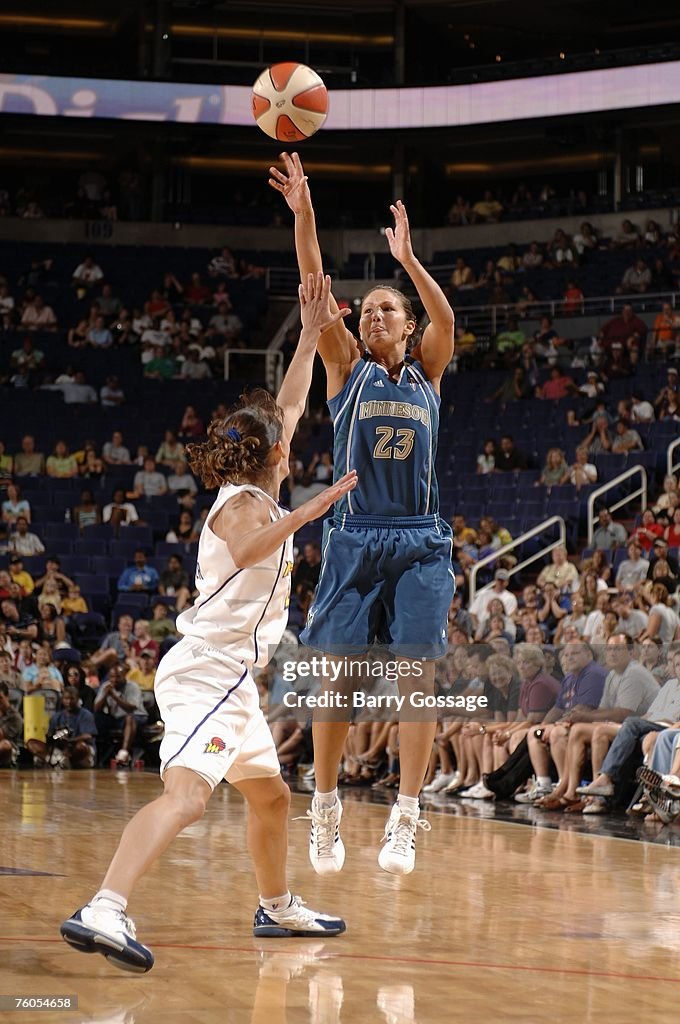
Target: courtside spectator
119,707
11,728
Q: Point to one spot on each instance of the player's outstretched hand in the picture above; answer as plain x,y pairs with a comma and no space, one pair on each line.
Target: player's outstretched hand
315,307
319,504
293,184
399,237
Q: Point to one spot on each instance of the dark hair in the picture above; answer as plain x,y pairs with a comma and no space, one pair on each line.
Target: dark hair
72,691
238,445
407,307
628,639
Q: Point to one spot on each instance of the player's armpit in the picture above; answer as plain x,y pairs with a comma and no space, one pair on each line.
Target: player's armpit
240,515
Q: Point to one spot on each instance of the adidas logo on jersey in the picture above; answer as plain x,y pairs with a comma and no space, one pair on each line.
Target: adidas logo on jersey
378,384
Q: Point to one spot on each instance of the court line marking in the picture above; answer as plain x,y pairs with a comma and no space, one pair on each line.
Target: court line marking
486,965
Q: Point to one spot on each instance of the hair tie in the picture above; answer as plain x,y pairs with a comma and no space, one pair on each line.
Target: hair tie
233,434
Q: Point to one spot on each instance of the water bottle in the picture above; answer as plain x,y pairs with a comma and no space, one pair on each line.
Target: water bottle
67,515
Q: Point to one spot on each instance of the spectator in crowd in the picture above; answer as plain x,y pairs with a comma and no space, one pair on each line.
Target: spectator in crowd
184,531
486,462
28,363
509,458
632,570
460,212
623,327
197,293
488,209
114,452
29,462
119,708
562,249
76,391
174,582
20,622
498,590
648,531
585,239
637,278
119,512
225,322
629,691
86,276
463,276
116,645
558,386
669,394
533,257
180,481
111,395
38,316
626,439
6,463
194,367
74,603
77,336
14,506
53,572
11,728
672,532
99,336
562,573
663,337
161,626
555,471
573,299
143,641
598,440
42,674
514,388
663,619
608,534
627,238
307,565
170,451
50,594
191,426
61,464
632,621
140,577
511,338
161,366
87,512
24,543
641,410
148,482
582,472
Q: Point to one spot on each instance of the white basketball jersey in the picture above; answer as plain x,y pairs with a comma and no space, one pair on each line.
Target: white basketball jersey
242,612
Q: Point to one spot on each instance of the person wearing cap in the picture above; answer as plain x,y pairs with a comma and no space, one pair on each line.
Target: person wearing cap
20,576
660,553
498,589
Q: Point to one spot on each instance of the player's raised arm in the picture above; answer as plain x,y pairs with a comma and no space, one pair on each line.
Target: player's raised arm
318,317
436,348
338,346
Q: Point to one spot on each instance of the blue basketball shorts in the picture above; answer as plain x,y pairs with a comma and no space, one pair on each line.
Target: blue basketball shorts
386,581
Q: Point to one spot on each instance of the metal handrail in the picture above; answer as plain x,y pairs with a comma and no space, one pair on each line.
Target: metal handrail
592,498
533,532
273,364
670,465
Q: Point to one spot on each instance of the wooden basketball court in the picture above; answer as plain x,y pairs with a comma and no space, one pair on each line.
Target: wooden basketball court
499,922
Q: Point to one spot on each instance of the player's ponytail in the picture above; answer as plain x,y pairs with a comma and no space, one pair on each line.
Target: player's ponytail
238,446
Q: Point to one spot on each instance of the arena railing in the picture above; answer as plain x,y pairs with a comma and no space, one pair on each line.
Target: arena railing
273,365
671,465
535,531
611,485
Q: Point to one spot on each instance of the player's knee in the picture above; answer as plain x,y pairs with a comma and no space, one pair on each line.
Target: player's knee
189,807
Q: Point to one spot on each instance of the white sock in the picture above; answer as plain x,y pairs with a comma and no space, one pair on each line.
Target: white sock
326,799
544,780
110,900
409,803
276,903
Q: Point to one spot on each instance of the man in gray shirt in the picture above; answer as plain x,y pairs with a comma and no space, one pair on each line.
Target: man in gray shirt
149,482
114,452
628,690
632,621
663,711
609,534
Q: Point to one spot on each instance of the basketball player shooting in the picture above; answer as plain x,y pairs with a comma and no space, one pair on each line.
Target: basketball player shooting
386,572
214,728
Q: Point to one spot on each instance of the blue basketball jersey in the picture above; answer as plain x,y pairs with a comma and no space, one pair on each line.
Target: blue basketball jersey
387,431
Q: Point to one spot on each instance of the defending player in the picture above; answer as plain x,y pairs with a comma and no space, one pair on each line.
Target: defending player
386,571
214,728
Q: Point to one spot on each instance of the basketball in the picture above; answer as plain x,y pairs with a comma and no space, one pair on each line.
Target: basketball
290,102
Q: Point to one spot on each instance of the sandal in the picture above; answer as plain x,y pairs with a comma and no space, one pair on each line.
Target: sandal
577,807
554,803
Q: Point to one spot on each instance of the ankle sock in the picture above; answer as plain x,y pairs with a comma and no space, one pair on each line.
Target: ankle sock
110,900
409,804
276,903
326,799
544,780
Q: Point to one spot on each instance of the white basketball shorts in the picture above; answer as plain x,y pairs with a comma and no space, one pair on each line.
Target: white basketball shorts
213,722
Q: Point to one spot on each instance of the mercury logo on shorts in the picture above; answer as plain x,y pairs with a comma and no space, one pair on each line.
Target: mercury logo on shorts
215,746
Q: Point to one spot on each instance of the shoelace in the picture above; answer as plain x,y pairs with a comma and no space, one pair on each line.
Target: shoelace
128,924
403,831
296,908
325,829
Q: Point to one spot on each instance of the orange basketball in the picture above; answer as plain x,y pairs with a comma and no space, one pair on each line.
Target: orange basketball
290,102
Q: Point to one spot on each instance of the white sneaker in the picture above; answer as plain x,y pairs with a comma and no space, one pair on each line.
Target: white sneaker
441,781
533,793
295,920
123,756
94,929
326,848
453,784
479,792
398,855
